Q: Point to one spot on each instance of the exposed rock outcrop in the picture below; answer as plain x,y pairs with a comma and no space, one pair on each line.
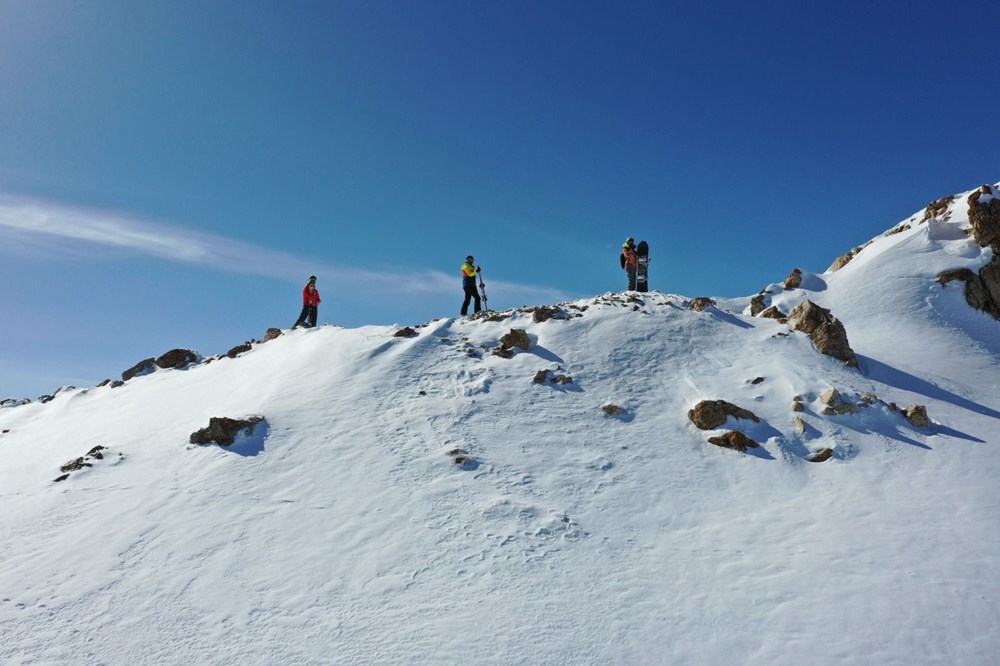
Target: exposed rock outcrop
836,404
774,313
239,349
939,209
143,367
699,303
843,260
733,439
544,313
982,289
223,430
406,332
272,333
177,359
794,279
517,337
826,332
820,456
757,304
710,414
917,416
984,214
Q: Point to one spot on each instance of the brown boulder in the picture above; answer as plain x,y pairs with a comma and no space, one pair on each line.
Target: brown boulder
984,214
826,332
917,416
757,304
699,303
272,333
544,313
143,367
710,414
774,313
177,358
407,332
517,337
240,349
939,209
733,439
820,456
982,290
794,279
223,430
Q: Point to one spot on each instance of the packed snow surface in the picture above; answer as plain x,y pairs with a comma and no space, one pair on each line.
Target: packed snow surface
342,530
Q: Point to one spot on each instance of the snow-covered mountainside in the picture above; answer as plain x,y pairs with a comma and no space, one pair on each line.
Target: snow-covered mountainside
424,500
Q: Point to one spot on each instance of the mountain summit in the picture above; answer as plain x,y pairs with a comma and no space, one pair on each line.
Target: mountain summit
805,475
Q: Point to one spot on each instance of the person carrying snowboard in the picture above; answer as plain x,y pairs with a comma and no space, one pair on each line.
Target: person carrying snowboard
469,273
630,262
310,304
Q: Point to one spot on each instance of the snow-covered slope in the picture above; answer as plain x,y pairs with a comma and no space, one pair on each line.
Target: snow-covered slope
342,531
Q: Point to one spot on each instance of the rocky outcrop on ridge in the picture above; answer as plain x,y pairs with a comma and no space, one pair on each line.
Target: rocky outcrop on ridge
982,289
826,331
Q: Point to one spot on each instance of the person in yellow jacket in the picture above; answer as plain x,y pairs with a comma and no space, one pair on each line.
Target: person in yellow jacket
469,273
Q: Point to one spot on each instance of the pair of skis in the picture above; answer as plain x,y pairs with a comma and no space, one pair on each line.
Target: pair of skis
482,289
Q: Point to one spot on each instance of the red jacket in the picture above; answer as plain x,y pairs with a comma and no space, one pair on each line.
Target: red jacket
310,297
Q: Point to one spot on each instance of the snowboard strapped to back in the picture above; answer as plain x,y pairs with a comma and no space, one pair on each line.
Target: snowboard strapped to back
642,273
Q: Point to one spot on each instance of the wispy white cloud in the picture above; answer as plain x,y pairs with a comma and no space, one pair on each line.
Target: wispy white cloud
44,226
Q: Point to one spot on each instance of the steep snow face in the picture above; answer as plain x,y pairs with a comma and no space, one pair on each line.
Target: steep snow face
343,531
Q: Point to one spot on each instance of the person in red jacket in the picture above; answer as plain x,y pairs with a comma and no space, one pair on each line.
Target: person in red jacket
310,304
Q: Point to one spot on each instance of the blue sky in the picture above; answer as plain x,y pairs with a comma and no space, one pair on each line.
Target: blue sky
171,172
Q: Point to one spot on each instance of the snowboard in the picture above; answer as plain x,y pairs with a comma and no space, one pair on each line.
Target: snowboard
642,273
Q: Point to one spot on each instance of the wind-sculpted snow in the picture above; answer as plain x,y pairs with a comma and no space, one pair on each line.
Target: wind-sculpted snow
420,499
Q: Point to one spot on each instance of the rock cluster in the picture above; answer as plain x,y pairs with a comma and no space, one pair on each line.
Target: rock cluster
982,289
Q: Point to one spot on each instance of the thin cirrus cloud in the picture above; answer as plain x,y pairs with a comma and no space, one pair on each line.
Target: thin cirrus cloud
45,227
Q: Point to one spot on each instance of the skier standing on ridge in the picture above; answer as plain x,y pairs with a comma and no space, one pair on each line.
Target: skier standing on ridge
310,304
629,261
469,273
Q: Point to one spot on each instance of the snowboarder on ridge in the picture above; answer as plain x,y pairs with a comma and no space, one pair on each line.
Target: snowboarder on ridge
469,273
310,304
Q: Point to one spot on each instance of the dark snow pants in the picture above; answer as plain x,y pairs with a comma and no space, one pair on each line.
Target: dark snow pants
307,317
470,293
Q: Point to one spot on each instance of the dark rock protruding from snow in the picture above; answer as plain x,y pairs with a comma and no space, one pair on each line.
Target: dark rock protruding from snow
757,304
272,333
699,303
733,439
982,289
774,313
826,332
843,260
223,430
794,279
543,313
143,367
517,337
710,414
984,214
407,332
917,416
177,359
239,349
